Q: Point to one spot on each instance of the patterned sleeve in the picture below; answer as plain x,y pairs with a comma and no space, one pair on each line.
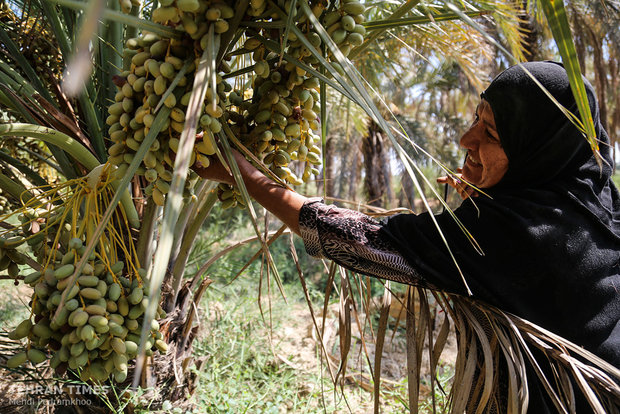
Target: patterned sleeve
353,240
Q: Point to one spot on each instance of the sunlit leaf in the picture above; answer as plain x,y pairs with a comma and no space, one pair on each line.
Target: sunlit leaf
556,16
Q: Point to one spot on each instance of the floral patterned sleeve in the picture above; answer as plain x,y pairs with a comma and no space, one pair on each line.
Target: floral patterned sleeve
353,240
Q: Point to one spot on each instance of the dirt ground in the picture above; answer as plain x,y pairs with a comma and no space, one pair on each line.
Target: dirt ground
297,344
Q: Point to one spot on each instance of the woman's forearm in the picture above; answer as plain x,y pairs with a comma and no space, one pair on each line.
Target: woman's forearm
282,202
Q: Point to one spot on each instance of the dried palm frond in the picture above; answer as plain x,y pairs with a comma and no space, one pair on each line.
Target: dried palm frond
500,358
497,351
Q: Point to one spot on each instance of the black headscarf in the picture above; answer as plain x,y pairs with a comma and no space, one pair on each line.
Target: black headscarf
544,147
550,230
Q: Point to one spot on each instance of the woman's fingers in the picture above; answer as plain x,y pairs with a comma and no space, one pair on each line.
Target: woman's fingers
452,180
466,191
455,181
214,171
200,170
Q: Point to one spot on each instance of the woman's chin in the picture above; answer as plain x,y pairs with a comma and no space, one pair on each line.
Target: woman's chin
472,177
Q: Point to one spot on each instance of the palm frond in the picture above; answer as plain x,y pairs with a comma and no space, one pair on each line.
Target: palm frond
558,22
498,356
518,342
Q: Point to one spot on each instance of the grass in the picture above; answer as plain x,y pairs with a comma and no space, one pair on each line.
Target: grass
268,363
244,369
242,372
13,305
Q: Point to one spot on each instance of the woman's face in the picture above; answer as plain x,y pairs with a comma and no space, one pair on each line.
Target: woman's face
486,161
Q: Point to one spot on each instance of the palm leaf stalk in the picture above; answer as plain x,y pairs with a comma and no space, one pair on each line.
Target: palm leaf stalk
408,21
174,198
128,20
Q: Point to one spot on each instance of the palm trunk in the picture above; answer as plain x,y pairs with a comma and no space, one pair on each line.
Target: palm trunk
530,35
354,173
345,159
376,168
330,169
406,197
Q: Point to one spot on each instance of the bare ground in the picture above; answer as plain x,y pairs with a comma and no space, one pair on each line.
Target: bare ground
296,344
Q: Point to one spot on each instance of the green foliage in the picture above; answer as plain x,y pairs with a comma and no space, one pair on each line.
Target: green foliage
12,309
558,22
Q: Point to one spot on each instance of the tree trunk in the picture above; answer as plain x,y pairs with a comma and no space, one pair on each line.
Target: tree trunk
376,182
387,178
530,35
407,192
345,154
330,168
354,172
614,119
600,76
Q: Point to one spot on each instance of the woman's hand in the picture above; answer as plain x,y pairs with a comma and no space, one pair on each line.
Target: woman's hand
216,170
456,181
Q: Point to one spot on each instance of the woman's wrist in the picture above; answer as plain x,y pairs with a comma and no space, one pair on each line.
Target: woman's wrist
282,202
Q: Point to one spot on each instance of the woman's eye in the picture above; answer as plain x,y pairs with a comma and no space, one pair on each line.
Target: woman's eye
491,136
476,119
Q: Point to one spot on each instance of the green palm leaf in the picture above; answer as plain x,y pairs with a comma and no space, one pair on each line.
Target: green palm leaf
558,22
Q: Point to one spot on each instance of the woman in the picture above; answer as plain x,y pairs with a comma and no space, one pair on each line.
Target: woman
547,225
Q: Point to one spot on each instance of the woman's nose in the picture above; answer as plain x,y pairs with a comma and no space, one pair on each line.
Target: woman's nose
471,138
